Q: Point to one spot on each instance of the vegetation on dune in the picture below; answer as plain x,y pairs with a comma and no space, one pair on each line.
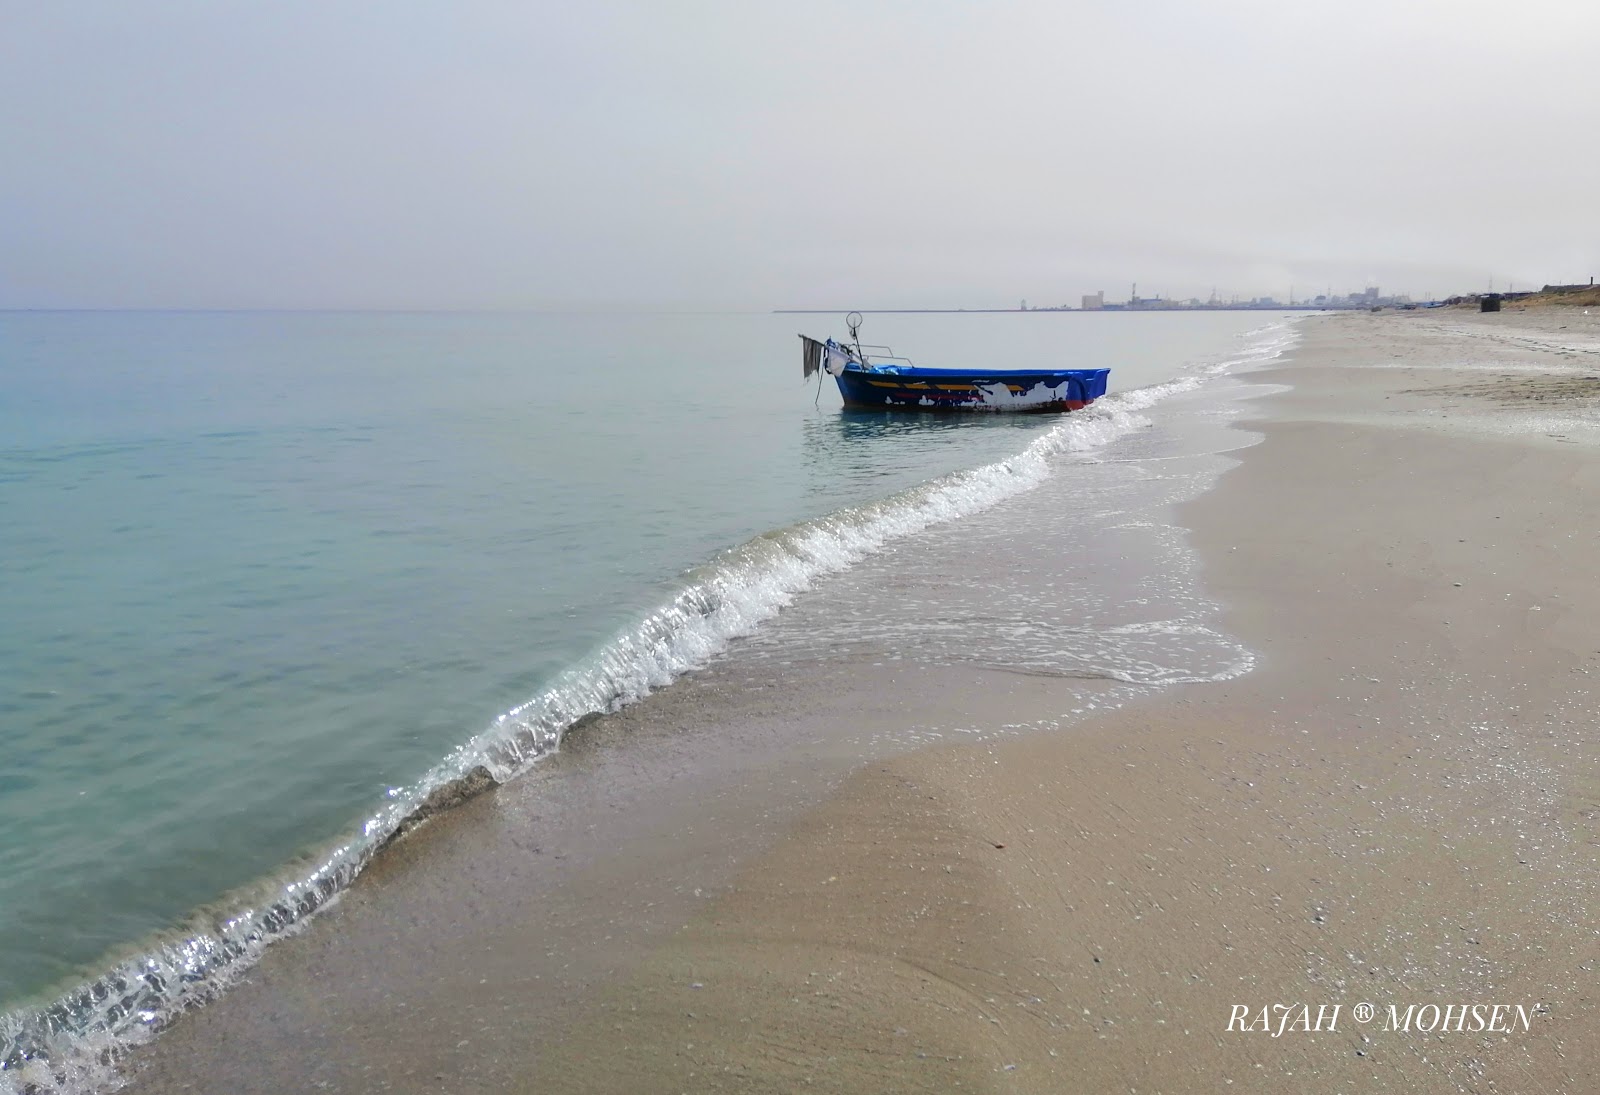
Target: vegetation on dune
1551,295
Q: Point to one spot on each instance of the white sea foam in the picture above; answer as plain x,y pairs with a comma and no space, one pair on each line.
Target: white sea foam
72,1046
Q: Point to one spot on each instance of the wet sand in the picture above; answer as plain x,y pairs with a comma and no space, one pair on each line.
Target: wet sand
1399,805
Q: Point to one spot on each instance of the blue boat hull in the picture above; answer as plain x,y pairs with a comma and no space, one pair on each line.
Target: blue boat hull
1035,391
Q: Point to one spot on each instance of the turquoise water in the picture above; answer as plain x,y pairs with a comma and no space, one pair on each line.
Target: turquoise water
268,576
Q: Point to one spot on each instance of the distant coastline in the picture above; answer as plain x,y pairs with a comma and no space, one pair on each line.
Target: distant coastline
1108,308
1368,300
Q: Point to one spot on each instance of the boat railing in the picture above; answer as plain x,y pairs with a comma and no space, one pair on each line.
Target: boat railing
887,355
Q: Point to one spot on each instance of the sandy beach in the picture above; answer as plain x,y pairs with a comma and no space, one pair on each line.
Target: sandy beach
1399,806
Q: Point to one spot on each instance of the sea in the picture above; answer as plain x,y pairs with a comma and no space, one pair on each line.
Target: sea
269,581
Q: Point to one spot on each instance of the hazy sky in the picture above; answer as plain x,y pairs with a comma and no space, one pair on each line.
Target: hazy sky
681,154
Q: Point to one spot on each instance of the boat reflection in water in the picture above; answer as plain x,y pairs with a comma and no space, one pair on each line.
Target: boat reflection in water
866,449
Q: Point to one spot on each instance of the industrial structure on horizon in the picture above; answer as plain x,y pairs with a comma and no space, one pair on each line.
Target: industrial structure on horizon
1370,297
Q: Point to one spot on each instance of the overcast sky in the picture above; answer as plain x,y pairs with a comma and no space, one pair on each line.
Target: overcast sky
681,154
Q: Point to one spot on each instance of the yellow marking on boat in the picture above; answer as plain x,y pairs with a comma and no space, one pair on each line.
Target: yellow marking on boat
1018,388
919,385
883,383
954,387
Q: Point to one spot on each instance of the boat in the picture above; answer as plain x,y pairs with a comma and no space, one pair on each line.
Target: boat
875,377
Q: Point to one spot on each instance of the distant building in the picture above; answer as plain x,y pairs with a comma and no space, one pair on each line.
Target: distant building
1095,303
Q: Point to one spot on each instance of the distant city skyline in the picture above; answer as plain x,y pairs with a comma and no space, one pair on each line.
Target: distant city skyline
1370,296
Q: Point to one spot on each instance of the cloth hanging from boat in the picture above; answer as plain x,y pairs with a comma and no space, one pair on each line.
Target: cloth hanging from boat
838,358
812,351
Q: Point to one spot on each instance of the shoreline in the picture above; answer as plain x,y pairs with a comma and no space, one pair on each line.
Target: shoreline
1387,808
888,893
188,968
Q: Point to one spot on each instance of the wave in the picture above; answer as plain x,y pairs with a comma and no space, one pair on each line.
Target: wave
73,1045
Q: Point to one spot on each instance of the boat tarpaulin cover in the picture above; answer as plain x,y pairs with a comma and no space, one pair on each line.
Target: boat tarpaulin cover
812,351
